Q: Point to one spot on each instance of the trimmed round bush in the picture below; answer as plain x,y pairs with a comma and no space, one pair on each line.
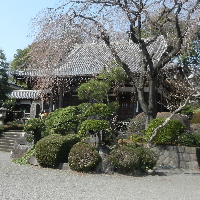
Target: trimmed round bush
83,157
147,158
124,159
54,149
167,134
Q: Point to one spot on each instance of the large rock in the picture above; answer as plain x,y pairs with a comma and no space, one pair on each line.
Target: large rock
104,166
21,146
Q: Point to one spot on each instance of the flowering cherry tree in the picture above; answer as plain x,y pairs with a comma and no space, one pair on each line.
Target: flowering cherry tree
166,26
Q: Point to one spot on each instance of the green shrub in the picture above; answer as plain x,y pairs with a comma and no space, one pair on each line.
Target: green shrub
137,139
64,120
124,159
94,89
83,157
93,125
10,103
147,158
168,134
197,139
102,110
189,109
54,149
35,125
189,140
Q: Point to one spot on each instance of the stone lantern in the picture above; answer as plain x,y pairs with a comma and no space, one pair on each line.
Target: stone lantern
2,115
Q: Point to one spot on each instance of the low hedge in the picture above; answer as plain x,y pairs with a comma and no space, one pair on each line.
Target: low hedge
54,149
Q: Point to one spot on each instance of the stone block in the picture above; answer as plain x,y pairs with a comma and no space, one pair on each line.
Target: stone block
193,165
190,149
21,146
184,165
161,158
174,164
166,161
32,160
181,149
186,157
63,166
174,155
193,157
180,156
19,151
166,153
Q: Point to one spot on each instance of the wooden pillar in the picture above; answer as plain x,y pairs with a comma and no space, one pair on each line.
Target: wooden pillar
60,104
51,103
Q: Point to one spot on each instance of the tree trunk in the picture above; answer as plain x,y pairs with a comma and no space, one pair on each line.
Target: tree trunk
148,102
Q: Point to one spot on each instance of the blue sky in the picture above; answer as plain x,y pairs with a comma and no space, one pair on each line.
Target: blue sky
15,16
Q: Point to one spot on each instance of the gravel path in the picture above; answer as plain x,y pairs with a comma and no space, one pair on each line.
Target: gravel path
31,183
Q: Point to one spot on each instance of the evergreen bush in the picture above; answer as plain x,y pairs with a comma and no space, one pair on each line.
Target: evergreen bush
190,109
93,126
83,157
54,149
65,120
167,134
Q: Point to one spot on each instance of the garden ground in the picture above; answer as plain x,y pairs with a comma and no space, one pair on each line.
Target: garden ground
30,182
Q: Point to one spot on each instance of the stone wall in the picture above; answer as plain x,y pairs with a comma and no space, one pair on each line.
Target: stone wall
178,156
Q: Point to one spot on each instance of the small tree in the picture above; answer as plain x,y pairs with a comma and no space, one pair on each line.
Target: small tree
100,115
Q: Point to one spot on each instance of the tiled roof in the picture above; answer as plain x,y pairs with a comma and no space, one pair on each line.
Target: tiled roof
88,59
92,58
25,94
